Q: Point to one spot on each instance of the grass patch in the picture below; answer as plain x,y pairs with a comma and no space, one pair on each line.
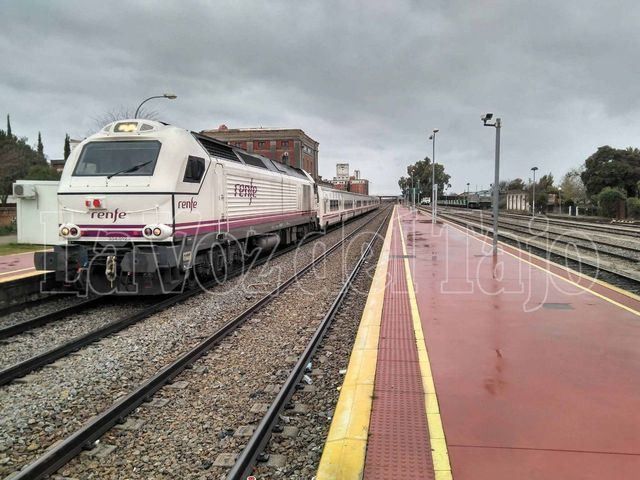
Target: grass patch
11,248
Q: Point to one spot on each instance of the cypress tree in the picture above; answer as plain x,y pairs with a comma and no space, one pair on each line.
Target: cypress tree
40,146
67,146
8,126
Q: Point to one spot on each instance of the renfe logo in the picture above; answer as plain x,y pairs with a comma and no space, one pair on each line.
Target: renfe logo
188,204
108,215
244,190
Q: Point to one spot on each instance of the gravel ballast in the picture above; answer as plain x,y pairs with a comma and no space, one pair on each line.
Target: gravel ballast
192,422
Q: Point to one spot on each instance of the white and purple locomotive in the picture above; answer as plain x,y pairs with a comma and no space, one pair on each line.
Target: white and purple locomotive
144,206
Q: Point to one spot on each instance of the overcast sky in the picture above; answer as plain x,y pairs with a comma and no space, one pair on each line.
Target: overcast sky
368,80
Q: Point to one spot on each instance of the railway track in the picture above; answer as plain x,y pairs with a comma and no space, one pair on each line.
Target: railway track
630,230
627,275
41,320
255,448
542,229
57,456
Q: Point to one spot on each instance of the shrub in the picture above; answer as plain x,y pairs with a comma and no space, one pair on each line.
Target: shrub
633,207
609,199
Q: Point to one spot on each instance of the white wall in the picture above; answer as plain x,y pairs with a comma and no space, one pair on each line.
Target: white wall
37,217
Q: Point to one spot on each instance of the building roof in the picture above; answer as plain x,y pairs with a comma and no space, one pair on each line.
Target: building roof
266,132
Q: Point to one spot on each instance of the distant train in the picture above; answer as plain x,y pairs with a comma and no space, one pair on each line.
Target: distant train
145,207
480,199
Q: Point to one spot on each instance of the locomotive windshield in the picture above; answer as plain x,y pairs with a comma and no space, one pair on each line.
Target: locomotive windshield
126,158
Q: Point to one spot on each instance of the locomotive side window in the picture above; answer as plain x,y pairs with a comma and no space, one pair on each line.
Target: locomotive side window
130,158
333,205
194,171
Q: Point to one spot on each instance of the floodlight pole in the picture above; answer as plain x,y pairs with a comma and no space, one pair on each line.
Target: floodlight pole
496,188
434,188
533,197
496,179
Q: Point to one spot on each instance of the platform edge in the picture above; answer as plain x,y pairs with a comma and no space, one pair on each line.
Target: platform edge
345,449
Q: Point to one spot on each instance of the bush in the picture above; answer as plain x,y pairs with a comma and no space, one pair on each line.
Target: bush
633,207
609,200
42,172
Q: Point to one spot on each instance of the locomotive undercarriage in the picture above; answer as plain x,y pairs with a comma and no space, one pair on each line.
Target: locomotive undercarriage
154,269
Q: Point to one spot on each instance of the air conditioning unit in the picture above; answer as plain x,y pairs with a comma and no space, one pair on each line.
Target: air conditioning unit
24,190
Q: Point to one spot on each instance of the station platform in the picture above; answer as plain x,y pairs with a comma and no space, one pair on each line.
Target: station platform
468,366
17,266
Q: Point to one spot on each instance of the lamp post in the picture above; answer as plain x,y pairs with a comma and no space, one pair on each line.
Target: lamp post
533,199
468,193
434,188
496,176
560,198
169,96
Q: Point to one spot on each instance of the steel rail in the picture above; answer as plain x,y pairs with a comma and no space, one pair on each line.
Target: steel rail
517,227
21,369
41,320
531,227
246,461
527,229
521,240
63,451
621,230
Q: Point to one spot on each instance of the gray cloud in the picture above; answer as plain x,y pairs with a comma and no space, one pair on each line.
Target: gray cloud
367,79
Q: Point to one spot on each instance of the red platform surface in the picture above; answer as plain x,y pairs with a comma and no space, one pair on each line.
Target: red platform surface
16,264
536,377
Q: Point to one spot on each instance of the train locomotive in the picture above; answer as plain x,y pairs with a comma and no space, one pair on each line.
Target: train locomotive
146,207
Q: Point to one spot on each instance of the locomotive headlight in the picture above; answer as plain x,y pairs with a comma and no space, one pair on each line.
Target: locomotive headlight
69,231
157,232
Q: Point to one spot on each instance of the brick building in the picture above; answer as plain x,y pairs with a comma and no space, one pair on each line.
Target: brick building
286,145
350,183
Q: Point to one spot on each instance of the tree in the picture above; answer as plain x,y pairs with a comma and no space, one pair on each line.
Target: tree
40,146
545,184
67,146
120,113
9,126
421,173
633,207
573,190
16,158
516,184
611,167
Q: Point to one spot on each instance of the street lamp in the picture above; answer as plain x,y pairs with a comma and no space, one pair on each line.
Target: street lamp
170,96
468,193
413,192
496,176
560,198
434,189
533,200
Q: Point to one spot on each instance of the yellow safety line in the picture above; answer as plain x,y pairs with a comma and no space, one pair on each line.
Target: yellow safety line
32,273
439,451
599,295
11,272
344,452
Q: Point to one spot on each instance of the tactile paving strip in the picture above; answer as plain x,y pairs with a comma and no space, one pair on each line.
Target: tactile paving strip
398,445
